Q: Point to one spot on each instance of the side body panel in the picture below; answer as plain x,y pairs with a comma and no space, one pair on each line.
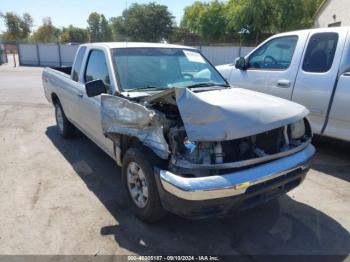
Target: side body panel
89,113
338,125
314,89
66,90
339,118
274,82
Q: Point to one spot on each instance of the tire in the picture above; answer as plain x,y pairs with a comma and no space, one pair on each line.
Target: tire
65,128
138,177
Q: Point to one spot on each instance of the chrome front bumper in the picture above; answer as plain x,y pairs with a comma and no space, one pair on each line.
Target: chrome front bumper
235,183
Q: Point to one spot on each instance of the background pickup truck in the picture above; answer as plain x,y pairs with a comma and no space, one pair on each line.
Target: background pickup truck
310,67
186,141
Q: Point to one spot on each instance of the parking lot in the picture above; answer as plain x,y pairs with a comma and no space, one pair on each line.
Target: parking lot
64,196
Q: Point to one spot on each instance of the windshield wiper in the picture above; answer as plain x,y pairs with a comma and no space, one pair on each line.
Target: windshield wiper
145,88
206,85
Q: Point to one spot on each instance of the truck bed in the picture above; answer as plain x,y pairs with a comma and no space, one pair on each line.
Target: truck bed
56,80
64,69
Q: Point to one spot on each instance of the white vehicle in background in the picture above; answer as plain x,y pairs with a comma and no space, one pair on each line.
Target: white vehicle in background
310,67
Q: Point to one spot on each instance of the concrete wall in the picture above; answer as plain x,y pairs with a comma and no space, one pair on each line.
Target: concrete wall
63,55
219,55
3,56
46,54
339,8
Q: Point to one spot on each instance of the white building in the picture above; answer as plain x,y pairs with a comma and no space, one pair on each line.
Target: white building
333,13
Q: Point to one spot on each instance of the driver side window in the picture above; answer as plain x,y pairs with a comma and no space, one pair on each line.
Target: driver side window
276,54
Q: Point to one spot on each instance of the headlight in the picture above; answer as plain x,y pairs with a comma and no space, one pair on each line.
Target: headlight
297,130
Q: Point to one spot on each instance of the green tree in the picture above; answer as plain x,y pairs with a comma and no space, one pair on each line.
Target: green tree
47,33
106,29
251,16
74,34
94,27
17,28
183,35
99,28
207,20
310,8
252,19
144,22
296,14
191,17
119,28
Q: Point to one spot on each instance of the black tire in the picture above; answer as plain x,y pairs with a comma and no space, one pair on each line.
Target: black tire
65,128
153,210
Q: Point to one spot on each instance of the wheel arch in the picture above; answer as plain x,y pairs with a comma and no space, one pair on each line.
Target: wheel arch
121,143
54,98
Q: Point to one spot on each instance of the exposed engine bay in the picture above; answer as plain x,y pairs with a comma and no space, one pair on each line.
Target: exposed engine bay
209,132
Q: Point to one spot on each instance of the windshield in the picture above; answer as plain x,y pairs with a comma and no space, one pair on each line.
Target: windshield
161,68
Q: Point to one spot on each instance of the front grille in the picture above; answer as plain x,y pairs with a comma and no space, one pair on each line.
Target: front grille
269,142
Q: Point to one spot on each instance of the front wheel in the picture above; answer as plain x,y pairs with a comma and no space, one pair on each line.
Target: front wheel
65,127
140,185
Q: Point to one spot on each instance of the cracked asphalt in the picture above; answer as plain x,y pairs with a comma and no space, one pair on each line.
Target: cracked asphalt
64,196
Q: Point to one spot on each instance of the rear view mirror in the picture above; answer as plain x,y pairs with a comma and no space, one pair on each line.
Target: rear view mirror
241,63
95,88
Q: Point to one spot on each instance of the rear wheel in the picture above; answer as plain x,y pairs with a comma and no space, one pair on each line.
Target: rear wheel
140,185
65,127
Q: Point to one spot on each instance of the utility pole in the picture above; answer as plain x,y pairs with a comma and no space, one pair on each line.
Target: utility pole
14,59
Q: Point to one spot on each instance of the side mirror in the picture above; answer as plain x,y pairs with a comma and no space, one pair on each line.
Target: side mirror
241,63
95,88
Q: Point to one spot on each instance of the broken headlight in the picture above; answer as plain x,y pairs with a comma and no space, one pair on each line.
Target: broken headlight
297,129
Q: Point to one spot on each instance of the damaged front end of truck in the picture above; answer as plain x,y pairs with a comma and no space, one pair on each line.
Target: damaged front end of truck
209,137
209,130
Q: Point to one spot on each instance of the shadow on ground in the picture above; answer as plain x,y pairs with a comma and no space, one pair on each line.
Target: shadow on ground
332,157
280,227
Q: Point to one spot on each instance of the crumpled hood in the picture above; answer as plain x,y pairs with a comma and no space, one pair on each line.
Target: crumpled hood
231,113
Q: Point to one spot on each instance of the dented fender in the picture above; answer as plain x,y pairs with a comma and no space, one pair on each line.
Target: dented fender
122,116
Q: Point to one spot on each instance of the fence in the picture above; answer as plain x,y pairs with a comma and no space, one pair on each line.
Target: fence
219,55
63,55
46,54
3,56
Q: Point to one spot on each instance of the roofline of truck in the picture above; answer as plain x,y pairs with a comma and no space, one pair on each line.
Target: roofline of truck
111,45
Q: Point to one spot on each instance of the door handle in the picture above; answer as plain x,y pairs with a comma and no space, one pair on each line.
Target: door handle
80,95
284,83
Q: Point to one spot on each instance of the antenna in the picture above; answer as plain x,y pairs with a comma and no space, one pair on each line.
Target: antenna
126,42
126,24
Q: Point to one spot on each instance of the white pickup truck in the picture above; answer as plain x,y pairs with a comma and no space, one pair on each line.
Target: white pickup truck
186,141
310,67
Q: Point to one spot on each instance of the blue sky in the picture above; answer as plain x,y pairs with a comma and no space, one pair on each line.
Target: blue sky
66,12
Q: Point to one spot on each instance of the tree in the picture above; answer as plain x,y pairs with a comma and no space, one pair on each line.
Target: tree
17,28
74,34
183,35
99,28
207,20
190,19
47,33
94,27
269,16
213,21
144,22
106,29
252,19
310,8
119,28
26,25
251,16
296,14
